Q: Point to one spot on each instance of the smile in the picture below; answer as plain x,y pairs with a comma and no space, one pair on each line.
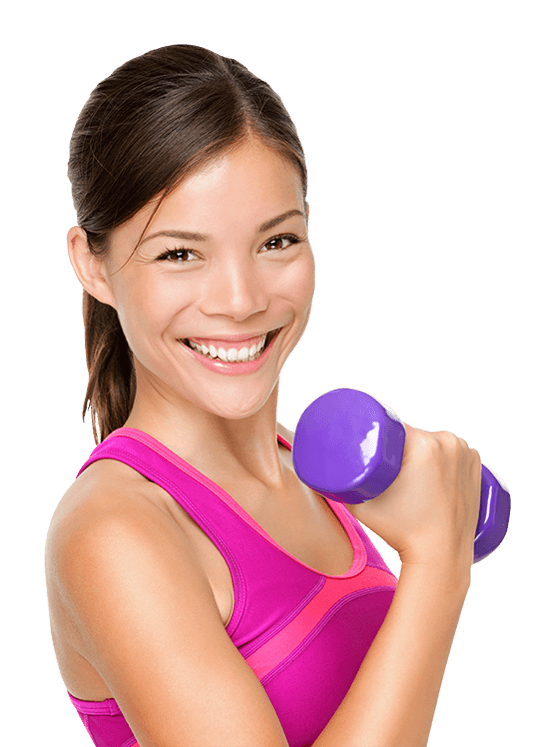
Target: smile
232,352
229,354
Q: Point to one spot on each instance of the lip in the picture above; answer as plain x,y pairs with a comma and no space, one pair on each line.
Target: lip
251,336
233,369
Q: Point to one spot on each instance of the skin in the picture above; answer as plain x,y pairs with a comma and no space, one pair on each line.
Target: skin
229,286
177,677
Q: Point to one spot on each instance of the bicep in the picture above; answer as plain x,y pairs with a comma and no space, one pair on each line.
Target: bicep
151,628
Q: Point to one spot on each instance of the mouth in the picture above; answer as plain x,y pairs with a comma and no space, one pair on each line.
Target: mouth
232,352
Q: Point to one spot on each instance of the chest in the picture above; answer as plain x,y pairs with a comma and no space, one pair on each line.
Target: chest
304,525
298,521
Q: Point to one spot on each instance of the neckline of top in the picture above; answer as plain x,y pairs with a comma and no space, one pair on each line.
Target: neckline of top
342,515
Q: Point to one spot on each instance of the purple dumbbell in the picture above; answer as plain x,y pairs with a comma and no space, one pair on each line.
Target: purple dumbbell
349,447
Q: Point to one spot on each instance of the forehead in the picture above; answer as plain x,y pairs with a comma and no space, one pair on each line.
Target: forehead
242,184
236,192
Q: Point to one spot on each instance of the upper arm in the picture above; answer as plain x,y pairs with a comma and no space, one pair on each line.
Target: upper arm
150,626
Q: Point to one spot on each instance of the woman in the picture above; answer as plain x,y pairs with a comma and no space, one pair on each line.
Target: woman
199,593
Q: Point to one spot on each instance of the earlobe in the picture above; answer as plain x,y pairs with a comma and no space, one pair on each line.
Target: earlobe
89,269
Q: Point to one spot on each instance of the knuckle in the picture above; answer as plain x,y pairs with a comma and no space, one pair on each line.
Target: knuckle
439,445
451,438
454,444
423,442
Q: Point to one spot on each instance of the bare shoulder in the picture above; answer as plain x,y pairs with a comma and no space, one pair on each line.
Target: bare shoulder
287,434
105,488
146,620
108,507
108,529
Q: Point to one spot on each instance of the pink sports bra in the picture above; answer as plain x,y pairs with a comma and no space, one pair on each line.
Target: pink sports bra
304,633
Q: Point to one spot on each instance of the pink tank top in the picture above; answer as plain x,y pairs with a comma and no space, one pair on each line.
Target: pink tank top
303,633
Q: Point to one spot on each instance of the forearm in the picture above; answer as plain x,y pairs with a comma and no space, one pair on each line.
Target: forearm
393,697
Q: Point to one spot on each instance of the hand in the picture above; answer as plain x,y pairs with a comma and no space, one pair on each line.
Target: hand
430,512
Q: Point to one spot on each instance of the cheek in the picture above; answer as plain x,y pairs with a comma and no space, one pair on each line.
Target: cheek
302,281
145,310
297,296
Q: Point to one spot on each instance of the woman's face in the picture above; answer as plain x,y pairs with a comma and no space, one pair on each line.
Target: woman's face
224,268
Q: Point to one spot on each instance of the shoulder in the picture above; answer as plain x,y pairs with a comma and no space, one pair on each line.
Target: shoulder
111,516
107,489
286,433
115,558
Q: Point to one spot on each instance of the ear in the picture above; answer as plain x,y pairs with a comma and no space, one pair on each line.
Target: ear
306,211
90,270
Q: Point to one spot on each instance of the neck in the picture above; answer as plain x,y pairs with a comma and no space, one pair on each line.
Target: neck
213,444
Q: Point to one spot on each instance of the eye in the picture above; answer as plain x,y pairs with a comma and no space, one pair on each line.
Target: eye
177,255
279,243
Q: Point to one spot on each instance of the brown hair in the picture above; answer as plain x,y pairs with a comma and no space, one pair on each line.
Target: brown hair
157,118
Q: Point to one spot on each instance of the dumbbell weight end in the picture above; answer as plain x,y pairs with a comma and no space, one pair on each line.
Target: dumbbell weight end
348,446
494,515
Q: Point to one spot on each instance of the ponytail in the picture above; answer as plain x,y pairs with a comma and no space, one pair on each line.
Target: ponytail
111,375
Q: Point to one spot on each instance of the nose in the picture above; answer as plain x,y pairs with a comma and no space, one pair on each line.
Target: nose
235,289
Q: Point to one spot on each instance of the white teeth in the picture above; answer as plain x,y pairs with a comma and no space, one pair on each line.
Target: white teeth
232,355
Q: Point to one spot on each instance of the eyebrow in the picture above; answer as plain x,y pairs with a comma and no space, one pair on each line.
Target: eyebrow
190,236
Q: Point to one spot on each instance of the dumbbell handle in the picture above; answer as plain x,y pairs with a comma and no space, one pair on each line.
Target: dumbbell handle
349,448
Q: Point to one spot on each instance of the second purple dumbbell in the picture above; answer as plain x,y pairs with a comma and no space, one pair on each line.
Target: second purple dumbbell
349,447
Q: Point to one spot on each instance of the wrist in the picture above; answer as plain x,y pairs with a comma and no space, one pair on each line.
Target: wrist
445,555
444,577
